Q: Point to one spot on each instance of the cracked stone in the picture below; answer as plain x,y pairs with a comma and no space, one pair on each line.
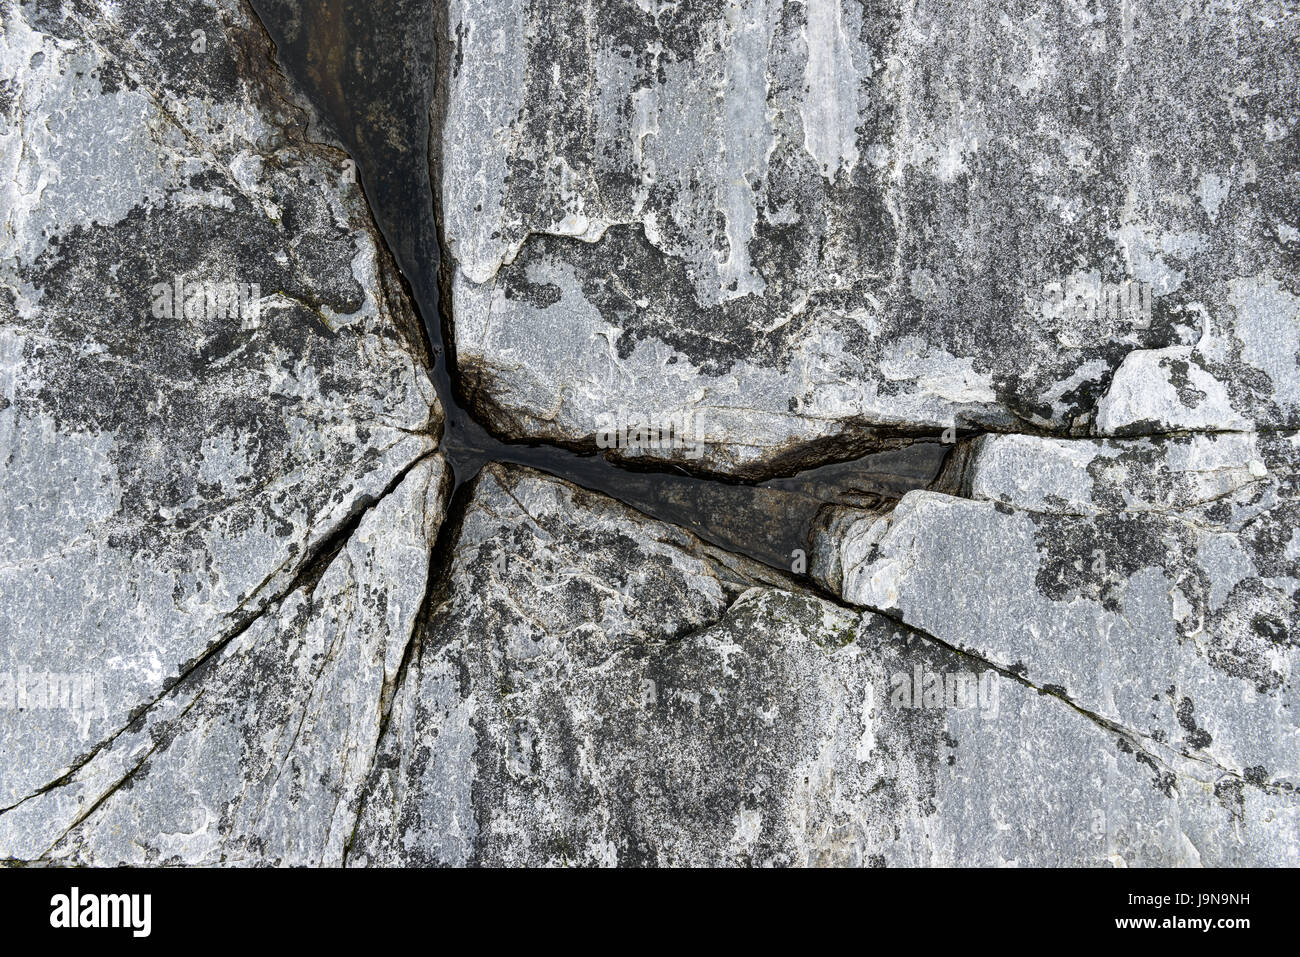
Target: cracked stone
259,755
172,464
794,229
593,688
245,620
1150,581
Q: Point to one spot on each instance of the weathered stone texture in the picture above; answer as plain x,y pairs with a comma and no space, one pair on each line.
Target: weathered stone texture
1152,582
593,689
168,473
258,755
797,231
792,223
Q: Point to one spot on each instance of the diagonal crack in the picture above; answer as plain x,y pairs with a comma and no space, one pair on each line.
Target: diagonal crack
436,584
309,571
1153,749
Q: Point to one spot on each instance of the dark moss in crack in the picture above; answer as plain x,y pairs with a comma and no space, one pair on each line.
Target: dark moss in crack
370,69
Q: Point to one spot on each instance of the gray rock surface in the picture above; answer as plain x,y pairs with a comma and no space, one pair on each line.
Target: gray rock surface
168,473
1153,582
243,620
793,228
595,688
259,754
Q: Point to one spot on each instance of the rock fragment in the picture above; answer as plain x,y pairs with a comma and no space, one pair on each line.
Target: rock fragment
1152,582
207,365
790,232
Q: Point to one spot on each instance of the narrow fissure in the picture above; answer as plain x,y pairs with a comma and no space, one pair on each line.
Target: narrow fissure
307,575
1136,739
370,70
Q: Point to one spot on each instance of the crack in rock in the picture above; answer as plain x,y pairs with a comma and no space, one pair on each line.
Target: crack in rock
260,753
1150,582
794,233
194,489
547,718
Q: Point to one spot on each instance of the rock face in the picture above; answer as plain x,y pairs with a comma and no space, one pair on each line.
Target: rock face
245,619
788,229
597,689
207,368
259,754
1151,582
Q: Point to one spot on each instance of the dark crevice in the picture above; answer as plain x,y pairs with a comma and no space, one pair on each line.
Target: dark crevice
370,70
378,100
436,591
1126,434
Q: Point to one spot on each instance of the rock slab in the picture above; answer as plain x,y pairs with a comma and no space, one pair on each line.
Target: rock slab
595,689
787,230
207,366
